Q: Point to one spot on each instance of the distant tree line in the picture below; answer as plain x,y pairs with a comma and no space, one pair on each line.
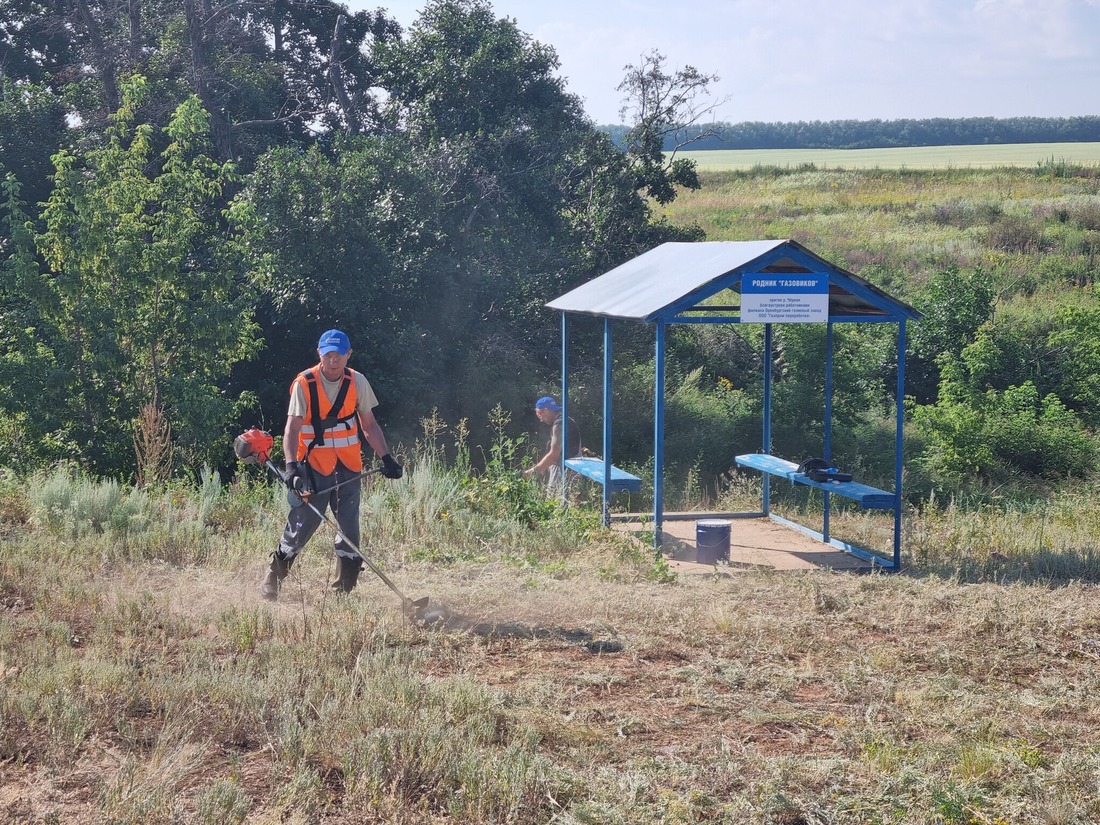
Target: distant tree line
877,134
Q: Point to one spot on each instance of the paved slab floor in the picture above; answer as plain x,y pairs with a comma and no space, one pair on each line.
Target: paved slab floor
754,542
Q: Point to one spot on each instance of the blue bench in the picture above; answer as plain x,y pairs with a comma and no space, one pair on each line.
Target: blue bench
621,481
870,498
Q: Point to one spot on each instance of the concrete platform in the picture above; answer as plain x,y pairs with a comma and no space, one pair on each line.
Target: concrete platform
755,542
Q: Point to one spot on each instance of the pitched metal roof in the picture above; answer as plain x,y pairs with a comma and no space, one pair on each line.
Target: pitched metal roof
675,277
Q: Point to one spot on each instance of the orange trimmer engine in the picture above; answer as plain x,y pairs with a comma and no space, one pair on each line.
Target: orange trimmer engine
253,446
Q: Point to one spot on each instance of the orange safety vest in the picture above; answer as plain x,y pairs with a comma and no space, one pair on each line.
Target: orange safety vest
334,437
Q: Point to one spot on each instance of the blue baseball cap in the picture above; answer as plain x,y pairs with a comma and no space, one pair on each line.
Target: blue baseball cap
547,403
334,341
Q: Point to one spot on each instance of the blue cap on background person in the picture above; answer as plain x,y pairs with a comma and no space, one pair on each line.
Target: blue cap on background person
334,341
547,403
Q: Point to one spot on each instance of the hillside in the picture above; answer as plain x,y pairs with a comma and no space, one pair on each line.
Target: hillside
143,680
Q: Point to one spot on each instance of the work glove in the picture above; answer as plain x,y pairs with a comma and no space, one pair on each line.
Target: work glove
295,477
390,468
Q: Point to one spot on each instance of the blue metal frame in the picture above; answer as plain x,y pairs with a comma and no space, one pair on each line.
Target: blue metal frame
827,448
899,424
659,433
766,439
891,312
608,366
564,405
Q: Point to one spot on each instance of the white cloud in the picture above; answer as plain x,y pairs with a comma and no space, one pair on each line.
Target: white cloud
1030,31
794,60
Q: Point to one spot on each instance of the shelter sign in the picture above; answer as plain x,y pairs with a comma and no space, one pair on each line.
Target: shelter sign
795,298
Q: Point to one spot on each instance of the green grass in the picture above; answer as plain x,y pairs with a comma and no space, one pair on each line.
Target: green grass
1032,229
1027,155
1033,234
142,680
142,684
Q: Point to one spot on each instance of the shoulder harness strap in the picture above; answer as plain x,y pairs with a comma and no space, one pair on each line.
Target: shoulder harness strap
329,421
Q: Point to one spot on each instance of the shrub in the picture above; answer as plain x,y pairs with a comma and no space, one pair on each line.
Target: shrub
1015,233
986,434
707,421
1040,437
66,503
963,213
14,503
502,490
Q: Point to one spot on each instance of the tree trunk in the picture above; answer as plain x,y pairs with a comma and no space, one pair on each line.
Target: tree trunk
336,78
105,66
201,73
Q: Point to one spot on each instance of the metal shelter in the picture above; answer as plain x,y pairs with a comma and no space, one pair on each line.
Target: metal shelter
776,281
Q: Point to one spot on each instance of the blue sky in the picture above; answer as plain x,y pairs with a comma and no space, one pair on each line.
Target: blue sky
789,60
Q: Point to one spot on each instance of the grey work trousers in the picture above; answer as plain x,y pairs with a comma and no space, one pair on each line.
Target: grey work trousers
302,522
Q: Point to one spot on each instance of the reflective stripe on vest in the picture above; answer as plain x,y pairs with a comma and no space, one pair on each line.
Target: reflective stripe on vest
334,437
339,440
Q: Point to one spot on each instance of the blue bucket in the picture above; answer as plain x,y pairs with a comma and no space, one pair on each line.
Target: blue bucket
712,541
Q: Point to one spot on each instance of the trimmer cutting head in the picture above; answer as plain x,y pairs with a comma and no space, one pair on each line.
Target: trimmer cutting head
254,447
415,609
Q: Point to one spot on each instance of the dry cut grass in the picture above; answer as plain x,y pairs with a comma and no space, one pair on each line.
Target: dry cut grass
578,686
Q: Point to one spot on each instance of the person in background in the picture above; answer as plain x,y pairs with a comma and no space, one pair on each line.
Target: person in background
549,412
331,413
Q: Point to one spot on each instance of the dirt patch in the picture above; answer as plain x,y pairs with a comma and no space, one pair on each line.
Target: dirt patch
726,681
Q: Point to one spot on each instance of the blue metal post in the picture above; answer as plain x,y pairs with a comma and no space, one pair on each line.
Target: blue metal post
828,448
766,443
607,361
898,444
659,435
564,403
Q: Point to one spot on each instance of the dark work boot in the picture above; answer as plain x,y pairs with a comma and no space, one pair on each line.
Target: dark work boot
347,574
278,570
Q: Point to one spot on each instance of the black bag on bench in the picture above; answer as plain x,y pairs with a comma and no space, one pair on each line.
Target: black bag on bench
819,470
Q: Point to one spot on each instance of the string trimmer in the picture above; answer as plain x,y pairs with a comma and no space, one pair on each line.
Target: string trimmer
254,447
296,496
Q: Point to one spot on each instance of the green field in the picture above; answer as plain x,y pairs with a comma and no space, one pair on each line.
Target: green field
913,157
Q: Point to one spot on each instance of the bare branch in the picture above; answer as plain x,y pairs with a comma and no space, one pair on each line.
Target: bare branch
336,78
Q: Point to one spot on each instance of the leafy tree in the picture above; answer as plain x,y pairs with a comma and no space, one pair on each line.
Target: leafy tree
435,225
145,305
974,433
662,106
453,218
266,72
350,239
280,71
534,200
438,239
603,211
955,304
27,365
32,43
478,101
32,128
1075,345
